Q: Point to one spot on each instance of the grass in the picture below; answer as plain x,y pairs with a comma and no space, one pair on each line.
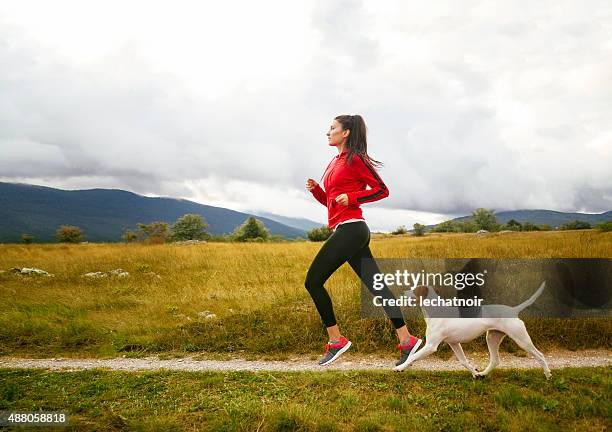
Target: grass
256,291
575,399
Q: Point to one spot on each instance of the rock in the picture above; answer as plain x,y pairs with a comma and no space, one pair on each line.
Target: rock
189,242
35,271
482,232
97,274
207,315
119,272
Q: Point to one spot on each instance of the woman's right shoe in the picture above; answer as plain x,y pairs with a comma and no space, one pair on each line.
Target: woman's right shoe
334,350
406,351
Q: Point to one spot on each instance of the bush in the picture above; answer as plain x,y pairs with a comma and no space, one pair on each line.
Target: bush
251,229
418,229
513,225
400,230
528,226
319,234
190,227
575,225
69,234
129,236
27,238
485,220
604,226
155,232
446,226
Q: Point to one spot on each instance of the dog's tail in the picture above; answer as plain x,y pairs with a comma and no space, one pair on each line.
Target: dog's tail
531,299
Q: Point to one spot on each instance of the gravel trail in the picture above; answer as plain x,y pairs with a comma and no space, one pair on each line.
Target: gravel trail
556,359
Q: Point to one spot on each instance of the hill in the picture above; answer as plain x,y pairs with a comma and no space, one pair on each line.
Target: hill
104,214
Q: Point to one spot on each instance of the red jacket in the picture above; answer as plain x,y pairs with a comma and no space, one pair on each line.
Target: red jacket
339,178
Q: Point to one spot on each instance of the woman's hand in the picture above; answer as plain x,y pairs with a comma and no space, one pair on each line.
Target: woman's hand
311,184
342,199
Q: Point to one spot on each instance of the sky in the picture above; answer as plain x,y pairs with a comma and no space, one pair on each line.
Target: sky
502,105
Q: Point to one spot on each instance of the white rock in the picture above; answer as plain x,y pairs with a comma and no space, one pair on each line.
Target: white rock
32,270
207,314
119,272
97,274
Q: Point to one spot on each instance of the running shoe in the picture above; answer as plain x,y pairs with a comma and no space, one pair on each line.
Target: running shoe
406,351
334,350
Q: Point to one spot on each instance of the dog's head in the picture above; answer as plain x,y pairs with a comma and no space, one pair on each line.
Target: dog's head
421,292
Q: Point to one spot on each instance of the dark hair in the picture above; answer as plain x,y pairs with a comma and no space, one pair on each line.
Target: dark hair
356,142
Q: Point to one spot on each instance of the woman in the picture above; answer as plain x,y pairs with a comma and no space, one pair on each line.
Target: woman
345,181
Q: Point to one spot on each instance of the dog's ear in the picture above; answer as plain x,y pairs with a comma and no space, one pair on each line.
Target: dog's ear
421,291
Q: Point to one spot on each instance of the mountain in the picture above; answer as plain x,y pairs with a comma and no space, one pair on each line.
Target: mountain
550,217
103,214
299,223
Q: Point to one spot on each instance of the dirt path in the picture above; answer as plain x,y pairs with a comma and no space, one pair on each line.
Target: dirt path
556,360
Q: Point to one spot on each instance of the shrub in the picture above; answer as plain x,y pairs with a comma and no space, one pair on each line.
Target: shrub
485,219
446,226
418,229
319,234
251,229
513,225
604,226
575,225
129,236
400,230
190,227
69,234
155,232
528,226
27,238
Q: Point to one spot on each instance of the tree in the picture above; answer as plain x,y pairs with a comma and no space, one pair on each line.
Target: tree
467,226
604,226
575,225
251,229
319,234
190,227
418,229
446,226
485,219
129,236
528,226
400,230
155,232
27,238
514,225
69,234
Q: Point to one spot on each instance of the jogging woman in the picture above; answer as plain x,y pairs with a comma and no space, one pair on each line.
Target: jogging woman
345,181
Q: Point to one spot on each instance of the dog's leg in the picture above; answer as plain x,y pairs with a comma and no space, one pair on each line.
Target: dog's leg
518,332
429,348
458,350
494,339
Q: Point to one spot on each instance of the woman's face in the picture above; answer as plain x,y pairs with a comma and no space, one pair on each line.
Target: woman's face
336,135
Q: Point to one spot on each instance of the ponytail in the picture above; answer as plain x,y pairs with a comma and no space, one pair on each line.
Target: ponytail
356,143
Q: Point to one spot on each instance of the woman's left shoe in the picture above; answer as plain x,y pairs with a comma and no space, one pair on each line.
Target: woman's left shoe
406,351
334,350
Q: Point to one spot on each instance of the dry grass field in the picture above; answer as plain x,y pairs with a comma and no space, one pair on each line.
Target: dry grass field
256,291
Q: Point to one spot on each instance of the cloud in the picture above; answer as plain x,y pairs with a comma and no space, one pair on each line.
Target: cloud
468,107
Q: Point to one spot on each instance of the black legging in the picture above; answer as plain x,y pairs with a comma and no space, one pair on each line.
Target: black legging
349,242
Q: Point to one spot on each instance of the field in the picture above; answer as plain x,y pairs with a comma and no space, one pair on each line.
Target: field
255,290
575,399
262,310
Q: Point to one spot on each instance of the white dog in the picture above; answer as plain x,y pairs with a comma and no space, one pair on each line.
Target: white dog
454,331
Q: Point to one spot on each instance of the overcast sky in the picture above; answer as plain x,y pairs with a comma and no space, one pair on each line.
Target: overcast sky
503,105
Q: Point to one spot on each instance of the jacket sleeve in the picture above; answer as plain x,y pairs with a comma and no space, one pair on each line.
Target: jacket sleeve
366,172
320,194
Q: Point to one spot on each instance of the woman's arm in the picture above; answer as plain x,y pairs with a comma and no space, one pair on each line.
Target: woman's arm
369,175
317,191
